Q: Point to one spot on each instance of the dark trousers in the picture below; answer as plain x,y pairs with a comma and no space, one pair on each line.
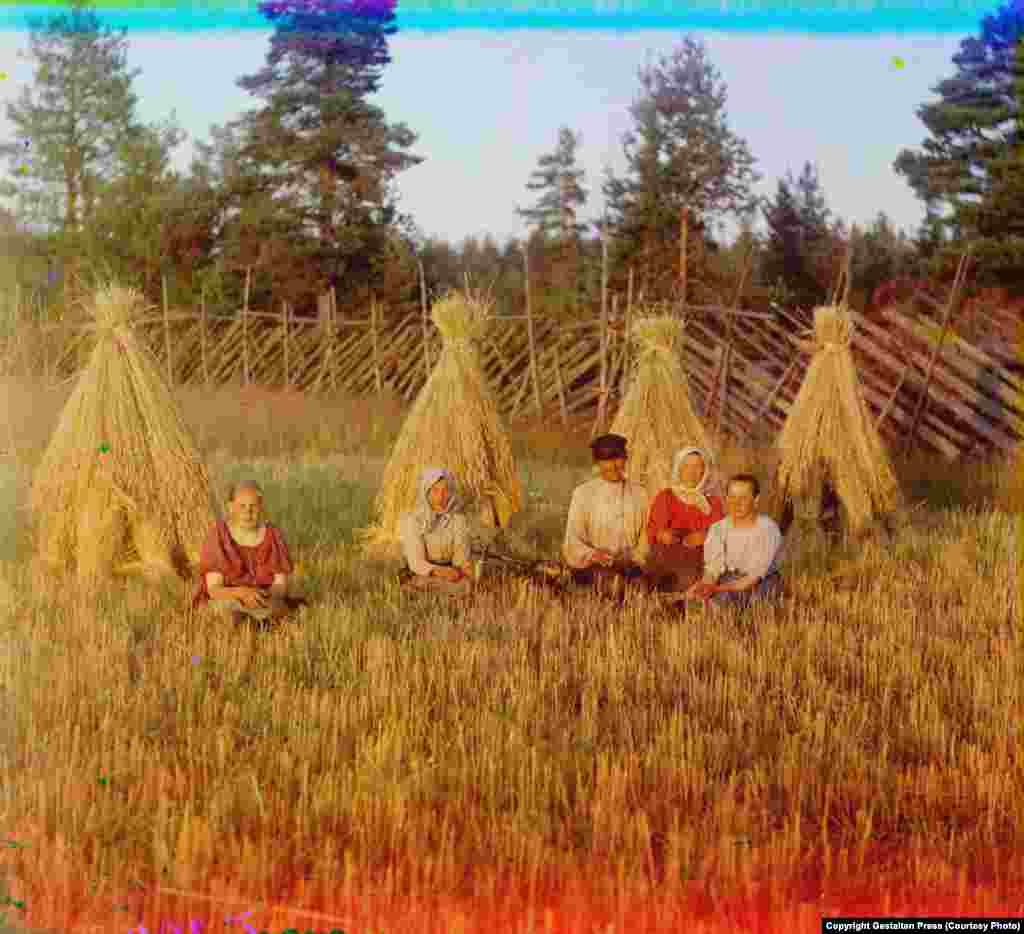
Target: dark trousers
611,581
768,590
673,568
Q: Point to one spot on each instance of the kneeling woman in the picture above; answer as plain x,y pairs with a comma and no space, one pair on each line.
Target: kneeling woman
435,537
678,524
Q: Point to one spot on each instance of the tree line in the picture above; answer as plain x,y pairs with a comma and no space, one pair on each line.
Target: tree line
300,189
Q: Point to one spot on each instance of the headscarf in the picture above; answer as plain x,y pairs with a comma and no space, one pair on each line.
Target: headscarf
693,496
427,519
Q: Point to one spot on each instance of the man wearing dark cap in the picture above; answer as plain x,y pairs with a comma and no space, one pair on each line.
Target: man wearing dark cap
605,536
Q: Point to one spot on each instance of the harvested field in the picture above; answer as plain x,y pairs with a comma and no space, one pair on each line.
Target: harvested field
395,764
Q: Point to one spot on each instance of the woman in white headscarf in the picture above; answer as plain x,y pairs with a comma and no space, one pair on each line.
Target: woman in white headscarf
435,536
679,520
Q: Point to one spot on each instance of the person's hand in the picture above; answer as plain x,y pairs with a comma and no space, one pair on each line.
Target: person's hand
252,598
452,575
701,590
668,537
602,558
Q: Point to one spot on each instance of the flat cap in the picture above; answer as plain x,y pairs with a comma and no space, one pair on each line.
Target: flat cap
608,447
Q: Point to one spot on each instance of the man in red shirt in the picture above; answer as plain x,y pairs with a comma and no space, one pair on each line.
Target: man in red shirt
244,565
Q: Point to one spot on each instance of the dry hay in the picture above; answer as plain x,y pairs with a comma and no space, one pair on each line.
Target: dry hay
454,424
656,415
121,487
829,431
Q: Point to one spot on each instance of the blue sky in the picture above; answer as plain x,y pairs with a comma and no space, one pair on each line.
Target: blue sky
486,104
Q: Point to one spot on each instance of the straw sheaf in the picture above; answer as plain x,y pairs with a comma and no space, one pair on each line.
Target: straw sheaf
454,423
656,415
120,447
830,431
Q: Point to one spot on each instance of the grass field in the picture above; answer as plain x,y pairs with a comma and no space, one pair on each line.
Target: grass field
397,764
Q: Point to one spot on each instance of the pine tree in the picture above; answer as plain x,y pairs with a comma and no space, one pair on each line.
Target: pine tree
70,123
317,162
128,231
799,240
555,258
680,154
969,173
560,182
71,120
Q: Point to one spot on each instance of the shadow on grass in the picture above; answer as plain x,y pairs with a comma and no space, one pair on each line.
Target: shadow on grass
960,485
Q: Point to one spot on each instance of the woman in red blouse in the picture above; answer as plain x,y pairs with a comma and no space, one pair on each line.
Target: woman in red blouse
678,523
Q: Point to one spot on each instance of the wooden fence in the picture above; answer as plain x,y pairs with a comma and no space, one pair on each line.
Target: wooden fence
924,385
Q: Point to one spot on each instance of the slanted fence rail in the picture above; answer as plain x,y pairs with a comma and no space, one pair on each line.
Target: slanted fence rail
539,367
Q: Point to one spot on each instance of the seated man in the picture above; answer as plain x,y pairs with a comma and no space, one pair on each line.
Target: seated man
244,565
605,532
435,537
680,518
742,552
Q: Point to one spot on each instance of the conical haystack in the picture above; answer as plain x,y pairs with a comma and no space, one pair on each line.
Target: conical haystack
829,432
454,424
656,416
121,487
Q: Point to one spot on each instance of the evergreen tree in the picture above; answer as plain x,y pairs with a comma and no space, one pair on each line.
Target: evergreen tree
314,168
128,232
560,182
70,122
555,253
969,174
880,255
799,240
680,154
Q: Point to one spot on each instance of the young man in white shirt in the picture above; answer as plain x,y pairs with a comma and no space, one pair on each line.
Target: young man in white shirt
742,552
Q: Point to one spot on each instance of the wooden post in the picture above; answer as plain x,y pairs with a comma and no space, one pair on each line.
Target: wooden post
245,327
530,335
961,273
202,336
334,336
892,398
167,336
629,324
558,375
604,275
376,350
776,390
684,231
603,398
426,330
727,356
604,329
286,312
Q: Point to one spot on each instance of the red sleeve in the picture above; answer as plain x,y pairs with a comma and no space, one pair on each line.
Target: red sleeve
282,554
659,517
211,555
281,559
207,557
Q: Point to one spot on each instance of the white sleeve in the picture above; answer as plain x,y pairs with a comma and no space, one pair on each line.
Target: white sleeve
413,549
460,532
714,552
575,549
768,543
640,545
